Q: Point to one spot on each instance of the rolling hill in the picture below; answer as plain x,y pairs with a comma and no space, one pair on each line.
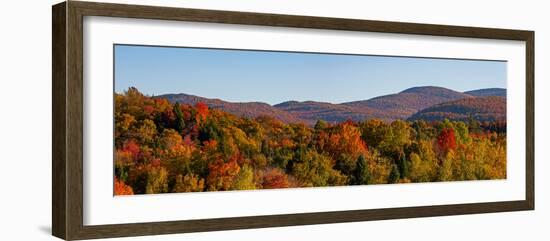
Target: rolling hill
401,105
485,108
488,92
409,101
246,109
311,111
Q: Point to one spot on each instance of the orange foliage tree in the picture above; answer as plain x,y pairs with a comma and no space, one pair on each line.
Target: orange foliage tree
202,112
221,174
122,189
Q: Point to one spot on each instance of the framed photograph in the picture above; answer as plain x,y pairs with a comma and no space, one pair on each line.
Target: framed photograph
171,120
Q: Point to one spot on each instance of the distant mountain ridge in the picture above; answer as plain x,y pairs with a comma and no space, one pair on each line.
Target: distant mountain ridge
488,92
483,108
409,101
402,105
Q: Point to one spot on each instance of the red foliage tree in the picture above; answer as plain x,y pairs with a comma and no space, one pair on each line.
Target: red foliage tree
133,148
149,109
446,140
275,178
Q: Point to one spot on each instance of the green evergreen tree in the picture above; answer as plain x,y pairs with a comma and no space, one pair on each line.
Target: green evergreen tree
362,173
394,175
180,123
404,166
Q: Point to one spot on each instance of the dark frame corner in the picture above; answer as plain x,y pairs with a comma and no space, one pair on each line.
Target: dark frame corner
67,120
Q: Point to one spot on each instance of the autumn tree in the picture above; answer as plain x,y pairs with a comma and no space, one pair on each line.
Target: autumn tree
221,175
188,183
373,132
316,170
446,169
244,179
424,163
157,180
146,132
395,139
462,133
274,178
124,122
202,112
423,130
446,140
380,168
345,146
122,189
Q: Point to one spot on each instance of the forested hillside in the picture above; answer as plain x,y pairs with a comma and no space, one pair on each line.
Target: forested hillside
165,147
409,101
391,107
244,109
490,108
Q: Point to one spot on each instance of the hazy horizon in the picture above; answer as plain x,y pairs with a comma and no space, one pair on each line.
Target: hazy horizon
277,77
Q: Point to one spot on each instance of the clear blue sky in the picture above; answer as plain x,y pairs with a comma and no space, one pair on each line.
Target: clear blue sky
275,77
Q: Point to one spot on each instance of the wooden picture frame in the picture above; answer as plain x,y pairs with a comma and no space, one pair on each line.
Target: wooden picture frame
67,123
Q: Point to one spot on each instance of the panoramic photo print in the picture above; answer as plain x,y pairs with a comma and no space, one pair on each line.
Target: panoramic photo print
200,120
